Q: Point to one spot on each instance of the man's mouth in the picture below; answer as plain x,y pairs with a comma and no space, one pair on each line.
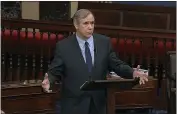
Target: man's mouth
89,32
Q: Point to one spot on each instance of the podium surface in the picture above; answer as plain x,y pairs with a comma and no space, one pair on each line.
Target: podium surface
105,84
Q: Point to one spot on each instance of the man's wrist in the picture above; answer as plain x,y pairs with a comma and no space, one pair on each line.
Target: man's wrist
135,74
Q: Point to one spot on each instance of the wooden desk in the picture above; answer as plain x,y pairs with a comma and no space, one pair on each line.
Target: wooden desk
141,96
27,99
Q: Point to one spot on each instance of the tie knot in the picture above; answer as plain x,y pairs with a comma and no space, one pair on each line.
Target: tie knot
86,43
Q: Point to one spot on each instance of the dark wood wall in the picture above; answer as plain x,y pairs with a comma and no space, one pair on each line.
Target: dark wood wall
135,16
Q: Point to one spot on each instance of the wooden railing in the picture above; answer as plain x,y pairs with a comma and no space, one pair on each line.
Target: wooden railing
28,52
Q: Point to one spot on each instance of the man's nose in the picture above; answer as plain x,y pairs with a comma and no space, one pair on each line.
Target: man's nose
90,26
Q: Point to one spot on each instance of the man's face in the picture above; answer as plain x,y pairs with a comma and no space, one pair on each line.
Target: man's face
85,27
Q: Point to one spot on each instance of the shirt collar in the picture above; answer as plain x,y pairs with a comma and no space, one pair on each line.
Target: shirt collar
82,42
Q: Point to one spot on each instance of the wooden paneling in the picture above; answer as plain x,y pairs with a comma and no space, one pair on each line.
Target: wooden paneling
125,7
134,16
107,17
139,96
27,99
39,102
173,21
144,20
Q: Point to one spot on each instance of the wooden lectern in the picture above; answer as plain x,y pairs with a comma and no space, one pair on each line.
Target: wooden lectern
111,86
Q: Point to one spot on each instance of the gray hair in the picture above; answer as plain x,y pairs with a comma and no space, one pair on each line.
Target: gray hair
81,14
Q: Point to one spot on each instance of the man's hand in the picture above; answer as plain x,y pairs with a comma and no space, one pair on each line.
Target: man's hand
46,84
137,74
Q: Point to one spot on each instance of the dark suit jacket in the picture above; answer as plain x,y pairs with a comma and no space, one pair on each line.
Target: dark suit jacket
69,64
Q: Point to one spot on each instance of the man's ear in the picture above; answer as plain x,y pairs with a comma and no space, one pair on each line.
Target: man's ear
76,25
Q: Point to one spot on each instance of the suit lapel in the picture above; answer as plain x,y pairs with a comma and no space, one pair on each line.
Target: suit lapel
96,53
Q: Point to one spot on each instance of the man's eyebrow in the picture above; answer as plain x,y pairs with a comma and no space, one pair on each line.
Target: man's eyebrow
89,22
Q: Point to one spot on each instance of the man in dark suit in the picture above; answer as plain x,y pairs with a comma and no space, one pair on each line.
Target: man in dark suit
82,56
